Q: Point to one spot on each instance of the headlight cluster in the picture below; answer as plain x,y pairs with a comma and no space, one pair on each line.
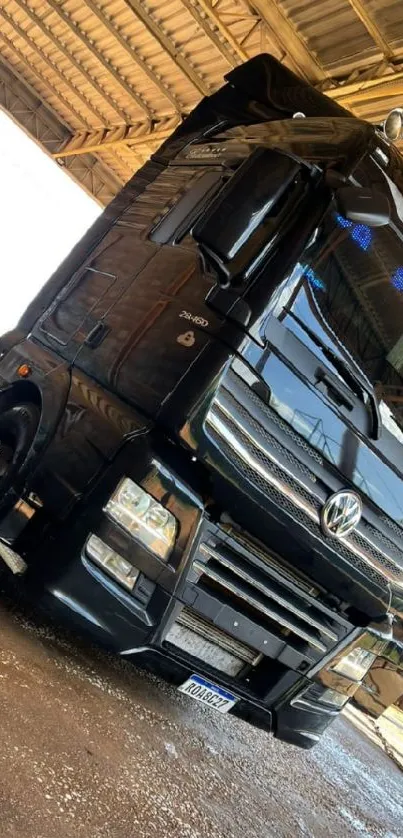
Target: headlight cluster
143,517
147,521
356,664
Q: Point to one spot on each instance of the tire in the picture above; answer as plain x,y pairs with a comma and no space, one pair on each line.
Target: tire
18,426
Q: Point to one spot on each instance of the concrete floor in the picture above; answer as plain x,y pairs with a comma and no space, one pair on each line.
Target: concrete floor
91,747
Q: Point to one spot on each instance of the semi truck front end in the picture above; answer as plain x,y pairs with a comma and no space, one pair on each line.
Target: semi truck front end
201,416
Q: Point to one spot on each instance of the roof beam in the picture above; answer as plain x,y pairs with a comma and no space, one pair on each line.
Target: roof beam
43,81
358,92
217,21
207,21
58,43
111,138
154,77
148,21
372,28
35,116
96,178
25,106
63,79
288,37
106,64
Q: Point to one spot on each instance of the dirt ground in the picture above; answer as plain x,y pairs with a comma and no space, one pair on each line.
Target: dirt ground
92,747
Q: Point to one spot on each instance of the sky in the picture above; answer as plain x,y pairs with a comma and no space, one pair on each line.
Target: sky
42,215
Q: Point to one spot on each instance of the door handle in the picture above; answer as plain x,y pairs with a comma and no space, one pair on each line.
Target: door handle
96,335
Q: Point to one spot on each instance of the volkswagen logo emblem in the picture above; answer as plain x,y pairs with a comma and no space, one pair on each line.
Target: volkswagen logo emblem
341,514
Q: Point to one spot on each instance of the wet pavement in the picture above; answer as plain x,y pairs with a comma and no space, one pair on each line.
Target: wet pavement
92,747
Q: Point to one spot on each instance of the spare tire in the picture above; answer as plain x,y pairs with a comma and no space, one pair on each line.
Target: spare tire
18,426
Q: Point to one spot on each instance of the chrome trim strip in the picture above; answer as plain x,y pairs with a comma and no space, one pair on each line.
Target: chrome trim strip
304,704
263,609
219,426
371,543
268,454
136,650
244,454
285,603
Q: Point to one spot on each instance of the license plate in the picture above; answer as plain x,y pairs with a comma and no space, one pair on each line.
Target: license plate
207,693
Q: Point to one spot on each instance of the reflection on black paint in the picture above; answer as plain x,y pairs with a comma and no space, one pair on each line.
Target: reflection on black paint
349,454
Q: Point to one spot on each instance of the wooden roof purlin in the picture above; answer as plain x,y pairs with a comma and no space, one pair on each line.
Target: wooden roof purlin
119,75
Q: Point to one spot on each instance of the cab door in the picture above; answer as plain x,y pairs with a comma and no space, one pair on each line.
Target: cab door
77,315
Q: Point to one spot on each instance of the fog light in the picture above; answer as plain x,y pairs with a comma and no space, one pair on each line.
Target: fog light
143,517
356,664
334,698
112,562
314,696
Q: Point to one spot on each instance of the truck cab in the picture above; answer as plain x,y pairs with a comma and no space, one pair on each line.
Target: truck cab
201,414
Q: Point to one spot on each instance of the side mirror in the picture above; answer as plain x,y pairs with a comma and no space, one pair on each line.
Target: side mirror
393,125
363,206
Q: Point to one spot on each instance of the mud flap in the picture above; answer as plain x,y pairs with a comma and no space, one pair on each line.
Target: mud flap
14,562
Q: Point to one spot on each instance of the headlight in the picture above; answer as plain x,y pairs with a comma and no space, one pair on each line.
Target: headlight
112,562
356,664
143,517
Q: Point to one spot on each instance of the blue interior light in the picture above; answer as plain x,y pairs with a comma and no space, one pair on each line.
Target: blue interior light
360,233
397,279
343,222
314,279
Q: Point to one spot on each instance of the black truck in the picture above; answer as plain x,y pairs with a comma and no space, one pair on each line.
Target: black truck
201,413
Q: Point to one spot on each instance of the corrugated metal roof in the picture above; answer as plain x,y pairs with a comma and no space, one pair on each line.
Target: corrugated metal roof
119,74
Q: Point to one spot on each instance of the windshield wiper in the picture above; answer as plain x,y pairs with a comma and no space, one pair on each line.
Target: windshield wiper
358,385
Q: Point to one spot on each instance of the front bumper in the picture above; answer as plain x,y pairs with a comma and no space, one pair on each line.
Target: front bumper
287,642
252,624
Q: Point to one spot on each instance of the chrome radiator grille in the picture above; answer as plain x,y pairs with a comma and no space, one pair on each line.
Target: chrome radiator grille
261,593
235,423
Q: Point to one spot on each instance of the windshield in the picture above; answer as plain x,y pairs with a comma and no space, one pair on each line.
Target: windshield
351,294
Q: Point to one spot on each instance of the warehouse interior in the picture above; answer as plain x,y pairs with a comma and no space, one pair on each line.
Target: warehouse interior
100,84
91,745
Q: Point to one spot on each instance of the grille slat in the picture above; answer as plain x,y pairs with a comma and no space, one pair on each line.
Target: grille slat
252,459
272,590
254,585
259,605
241,612
227,403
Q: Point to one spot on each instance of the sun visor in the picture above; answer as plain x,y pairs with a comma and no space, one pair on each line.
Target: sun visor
266,80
